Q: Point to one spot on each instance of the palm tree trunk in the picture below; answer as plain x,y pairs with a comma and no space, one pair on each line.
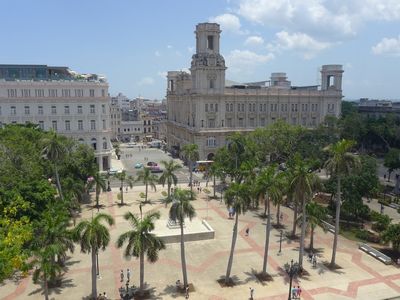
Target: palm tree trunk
94,274
230,261
337,223
141,284
145,199
46,288
303,232
265,207
169,194
214,185
97,197
122,192
267,233
278,213
183,258
294,219
312,239
58,182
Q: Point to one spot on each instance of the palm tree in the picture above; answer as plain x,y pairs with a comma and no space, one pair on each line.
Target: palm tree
46,267
267,186
168,176
237,198
93,236
191,152
141,241
100,183
123,177
315,214
147,178
303,183
339,165
55,151
182,208
282,183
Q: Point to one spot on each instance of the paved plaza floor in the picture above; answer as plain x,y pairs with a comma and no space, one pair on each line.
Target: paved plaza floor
361,276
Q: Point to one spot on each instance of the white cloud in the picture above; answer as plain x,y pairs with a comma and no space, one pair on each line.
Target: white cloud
145,81
387,46
245,60
338,19
254,41
228,22
299,42
169,47
157,53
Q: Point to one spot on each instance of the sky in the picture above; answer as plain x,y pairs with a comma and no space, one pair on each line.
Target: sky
135,42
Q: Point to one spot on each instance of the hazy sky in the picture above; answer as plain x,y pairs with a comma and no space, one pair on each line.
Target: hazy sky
134,43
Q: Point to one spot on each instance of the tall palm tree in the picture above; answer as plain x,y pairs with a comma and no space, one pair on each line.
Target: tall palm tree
93,236
282,183
124,178
168,176
55,151
339,165
140,240
182,208
237,198
303,183
147,178
315,215
46,267
268,187
100,185
191,152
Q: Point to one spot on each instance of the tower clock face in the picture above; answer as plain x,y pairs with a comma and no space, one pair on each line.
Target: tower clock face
212,61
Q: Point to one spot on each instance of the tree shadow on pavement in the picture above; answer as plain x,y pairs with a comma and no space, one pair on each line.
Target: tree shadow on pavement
65,283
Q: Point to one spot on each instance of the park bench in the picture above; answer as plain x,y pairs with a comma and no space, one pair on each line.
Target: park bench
375,253
328,227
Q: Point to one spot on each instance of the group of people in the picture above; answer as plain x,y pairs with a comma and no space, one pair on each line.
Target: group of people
102,296
296,292
312,258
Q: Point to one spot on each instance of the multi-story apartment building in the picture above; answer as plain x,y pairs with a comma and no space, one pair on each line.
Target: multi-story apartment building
203,110
55,98
373,108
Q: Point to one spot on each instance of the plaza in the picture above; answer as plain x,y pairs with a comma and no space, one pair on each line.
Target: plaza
361,276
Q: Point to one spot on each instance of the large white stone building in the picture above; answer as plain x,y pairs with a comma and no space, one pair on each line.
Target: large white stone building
203,109
74,105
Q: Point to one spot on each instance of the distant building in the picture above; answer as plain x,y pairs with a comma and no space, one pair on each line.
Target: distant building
204,109
378,108
56,98
121,101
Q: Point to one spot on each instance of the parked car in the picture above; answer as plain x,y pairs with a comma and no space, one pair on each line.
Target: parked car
152,164
155,169
138,165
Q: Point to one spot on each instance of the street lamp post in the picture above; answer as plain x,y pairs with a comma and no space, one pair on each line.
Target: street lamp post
292,271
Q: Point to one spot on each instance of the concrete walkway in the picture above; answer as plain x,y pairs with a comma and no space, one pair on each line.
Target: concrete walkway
361,276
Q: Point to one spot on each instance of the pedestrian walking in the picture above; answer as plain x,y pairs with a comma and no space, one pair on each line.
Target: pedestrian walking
314,261
122,275
128,274
187,292
105,296
298,292
247,231
294,292
251,293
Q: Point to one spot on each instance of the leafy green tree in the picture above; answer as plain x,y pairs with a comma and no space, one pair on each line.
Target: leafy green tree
392,235
236,198
303,184
182,208
147,178
92,236
392,160
268,188
168,176
46,267
124,178
340,164
140,240
191,152
117,150
55,151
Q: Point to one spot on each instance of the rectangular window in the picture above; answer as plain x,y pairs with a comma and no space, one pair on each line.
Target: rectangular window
66,109
261,107
40,110
12,93
272,107
210,42
79,109
229,122
262,121
265,106
206,107
211,123
92,125
92,109
25,93
304,122
39,93
91,93
212,83
67,125
41,125
80,124
52,93
241,123
238,107
54,125
242,106
227,106
103,93
252,122
53,110
216,107
249,106
13,110
78,92
103,108
66,93
212,107
27,110
104,125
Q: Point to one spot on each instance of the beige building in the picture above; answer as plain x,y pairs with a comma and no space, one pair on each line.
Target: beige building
203,109
56,98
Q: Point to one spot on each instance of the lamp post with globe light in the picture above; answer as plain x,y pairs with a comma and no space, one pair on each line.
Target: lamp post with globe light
292,270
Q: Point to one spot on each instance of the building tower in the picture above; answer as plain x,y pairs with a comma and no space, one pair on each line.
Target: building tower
331,77
208,65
